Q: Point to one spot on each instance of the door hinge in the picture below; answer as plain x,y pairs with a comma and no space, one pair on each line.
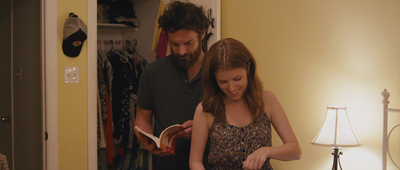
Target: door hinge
46,136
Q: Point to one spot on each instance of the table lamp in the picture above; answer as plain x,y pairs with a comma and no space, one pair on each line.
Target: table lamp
336,132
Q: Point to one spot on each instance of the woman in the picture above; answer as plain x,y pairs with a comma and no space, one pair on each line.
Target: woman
236,114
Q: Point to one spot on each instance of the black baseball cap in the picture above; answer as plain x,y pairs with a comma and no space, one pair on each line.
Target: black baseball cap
75,33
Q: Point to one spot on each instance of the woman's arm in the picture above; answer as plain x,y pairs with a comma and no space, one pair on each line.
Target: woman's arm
290,150
199,138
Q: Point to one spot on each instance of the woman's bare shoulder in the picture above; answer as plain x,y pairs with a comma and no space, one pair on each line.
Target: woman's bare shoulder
269,95
201,112
199,107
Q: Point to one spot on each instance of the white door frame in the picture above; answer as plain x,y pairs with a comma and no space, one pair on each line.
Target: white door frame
92,83
49,74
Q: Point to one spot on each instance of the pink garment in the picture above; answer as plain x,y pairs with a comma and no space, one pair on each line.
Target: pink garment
162,45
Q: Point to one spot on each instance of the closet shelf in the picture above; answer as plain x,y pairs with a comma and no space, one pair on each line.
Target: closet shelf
117,26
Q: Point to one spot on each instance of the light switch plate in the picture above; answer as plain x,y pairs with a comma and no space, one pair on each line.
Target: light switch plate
71,75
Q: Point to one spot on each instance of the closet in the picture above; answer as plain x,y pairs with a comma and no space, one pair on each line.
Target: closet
124,48
121,57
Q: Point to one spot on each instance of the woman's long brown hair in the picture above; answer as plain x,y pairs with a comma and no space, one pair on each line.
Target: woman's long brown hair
229,54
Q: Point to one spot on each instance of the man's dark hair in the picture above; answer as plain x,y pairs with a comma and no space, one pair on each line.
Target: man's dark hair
179,15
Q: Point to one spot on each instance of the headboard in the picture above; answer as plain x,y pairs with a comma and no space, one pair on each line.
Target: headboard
386,136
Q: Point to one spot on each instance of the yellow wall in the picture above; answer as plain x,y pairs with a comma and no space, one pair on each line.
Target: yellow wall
72,98
314,54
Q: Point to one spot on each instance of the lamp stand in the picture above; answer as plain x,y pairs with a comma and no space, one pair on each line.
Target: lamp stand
336,154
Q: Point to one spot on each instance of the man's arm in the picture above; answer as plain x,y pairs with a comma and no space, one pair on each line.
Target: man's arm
143,120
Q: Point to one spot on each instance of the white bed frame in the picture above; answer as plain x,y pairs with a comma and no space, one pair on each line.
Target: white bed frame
385,137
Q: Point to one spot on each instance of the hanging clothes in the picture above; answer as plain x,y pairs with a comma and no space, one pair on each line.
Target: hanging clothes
104,67
157,31
162,45
118,78
120,98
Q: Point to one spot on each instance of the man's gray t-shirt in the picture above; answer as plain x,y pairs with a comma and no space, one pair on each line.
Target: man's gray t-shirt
166,89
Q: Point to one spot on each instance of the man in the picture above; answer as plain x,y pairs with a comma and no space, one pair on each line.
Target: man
171,87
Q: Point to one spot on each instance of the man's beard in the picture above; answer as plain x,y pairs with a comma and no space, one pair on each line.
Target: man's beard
183,63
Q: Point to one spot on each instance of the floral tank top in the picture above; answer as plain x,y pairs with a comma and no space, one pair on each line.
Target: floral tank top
230,145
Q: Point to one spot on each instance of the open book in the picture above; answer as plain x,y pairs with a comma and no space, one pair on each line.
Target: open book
167,137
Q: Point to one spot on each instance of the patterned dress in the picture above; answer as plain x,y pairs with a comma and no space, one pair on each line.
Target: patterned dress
230,145
3,162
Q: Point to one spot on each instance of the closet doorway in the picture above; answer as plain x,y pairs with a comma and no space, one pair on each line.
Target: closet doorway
21,123
110,36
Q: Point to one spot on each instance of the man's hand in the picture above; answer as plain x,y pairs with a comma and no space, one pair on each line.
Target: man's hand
187,132
161,152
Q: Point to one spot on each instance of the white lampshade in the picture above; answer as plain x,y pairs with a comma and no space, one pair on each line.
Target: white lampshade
336,131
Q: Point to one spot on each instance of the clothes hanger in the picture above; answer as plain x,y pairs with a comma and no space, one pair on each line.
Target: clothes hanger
131,49
112,47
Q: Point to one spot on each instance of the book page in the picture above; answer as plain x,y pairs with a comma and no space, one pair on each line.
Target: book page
169,136
152,137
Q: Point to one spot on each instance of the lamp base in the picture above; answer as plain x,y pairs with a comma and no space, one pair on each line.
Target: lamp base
336,158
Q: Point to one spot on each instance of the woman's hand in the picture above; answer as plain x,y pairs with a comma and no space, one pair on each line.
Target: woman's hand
256,159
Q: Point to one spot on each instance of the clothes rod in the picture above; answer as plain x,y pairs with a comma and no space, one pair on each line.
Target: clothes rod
115,41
